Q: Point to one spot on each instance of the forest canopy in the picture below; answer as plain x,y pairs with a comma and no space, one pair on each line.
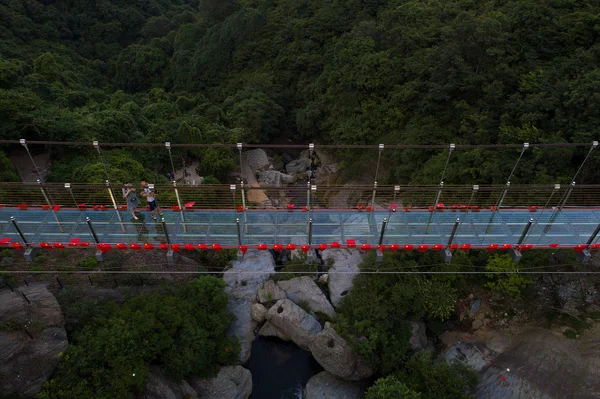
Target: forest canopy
345,72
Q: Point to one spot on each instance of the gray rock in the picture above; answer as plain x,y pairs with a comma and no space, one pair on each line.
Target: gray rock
26,363
542,365
275,178
323,279
476,355
334,354
231,383
418,335
254,269
269,330
304,289
44,307
327,386
256,159
294,322
297,166
258,312
161,387
342,273
269,291
243,326
475,306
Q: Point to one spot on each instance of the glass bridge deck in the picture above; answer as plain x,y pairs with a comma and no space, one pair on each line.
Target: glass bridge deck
568,227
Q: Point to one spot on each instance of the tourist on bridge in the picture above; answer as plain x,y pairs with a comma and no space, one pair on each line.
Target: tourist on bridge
132,200
150,196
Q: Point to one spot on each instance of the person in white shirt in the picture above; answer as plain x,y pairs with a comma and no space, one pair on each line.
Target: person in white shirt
150,197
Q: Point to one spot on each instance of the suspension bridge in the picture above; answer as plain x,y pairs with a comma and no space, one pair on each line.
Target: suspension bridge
44,216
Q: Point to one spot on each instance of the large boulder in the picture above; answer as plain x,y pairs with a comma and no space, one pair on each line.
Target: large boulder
541,364
474,354
25,362
327,386
255,268
274,178
297,166
243,326
242,282
269,330
258,312
342,273
269,291
334,354
294,322
233,382
256,159
161,387
303,289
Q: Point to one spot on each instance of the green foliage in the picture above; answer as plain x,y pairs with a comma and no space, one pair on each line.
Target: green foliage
88,263
506,278
184,331
373,316
438,379
390,388
10,326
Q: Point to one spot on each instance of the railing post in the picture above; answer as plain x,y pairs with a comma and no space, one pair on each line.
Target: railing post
585,254
239,147
438,196
308,195
240,254
515,253
311,253
99,254
180,206
68,188
170,253
448,249
30,251
381,235
373,196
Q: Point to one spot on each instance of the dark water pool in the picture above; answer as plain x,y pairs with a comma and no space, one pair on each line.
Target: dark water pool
279,369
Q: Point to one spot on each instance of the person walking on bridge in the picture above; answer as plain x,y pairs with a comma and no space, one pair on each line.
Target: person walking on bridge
151,198
132,200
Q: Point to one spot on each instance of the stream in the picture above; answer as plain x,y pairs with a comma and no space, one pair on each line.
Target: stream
280,369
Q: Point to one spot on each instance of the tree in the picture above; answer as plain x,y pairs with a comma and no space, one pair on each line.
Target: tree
438,379
505,277
139,67
183,330
390,388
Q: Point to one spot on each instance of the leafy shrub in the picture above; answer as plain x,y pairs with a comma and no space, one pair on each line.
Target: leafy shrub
438,379
185,332
390,388
506,278
88,263
373,316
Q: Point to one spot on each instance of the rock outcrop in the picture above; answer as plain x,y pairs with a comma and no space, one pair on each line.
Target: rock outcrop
474,354
231,383
256,159
342,273
268,330
274,178
258,312
303,289
269,291
297,166
327,386
161,387
293,322
334,354
25,363
242,282
540,364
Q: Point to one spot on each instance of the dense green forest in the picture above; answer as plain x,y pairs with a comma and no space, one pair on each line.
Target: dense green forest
331,71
